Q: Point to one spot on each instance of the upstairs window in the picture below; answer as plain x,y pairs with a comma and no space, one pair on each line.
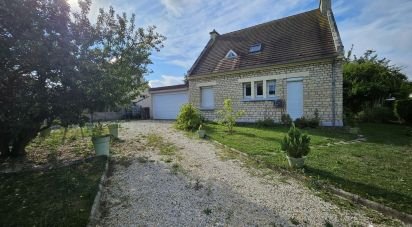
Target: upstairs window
271,88
257,47
259,89
231,54
247,90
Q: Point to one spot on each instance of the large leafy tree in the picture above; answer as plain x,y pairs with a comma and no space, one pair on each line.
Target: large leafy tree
53,65
35,55
115,54
369,80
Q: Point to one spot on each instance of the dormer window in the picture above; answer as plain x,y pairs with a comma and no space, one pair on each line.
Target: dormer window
231,54
257,47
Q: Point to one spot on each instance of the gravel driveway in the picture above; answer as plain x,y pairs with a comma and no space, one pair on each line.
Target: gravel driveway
200,185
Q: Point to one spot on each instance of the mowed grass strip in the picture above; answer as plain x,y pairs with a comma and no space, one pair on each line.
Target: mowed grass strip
378,169
57,197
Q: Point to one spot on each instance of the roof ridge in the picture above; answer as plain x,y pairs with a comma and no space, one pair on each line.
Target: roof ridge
269,22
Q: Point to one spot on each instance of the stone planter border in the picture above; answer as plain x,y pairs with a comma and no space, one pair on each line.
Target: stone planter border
94,213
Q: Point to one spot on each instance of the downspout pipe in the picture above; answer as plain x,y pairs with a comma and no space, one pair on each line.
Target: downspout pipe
334,93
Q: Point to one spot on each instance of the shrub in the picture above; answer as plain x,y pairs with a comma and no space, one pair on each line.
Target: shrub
227,116
376,115
349,119
286,119
305,123
189,118
266,123
296,144
301,122
403,109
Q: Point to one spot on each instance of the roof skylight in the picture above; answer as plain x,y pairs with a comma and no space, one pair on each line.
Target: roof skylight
255,48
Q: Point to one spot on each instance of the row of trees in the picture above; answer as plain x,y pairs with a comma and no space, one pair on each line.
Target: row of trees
369,81
55,64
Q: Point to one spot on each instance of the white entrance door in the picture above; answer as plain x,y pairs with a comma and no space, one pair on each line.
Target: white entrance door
294,103
167,105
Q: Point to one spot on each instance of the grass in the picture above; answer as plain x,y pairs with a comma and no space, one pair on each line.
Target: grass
378,169
165,148
54,147
58,197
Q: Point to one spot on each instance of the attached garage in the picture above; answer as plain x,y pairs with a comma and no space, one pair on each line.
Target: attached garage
166,101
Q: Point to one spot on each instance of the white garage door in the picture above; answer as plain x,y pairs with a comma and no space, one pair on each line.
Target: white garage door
166,106
294,103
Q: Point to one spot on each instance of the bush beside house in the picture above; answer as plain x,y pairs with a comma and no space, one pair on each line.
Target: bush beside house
403,109
189,118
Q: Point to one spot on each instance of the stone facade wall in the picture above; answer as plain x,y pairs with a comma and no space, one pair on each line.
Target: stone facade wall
317,91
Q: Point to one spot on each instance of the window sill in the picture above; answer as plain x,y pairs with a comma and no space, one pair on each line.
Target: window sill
260,99
206,108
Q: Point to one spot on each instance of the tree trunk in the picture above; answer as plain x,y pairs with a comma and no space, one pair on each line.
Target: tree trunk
18,149
64,135
4,146
22,140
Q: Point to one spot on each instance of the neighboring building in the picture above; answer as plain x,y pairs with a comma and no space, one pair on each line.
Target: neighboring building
141,105
287,66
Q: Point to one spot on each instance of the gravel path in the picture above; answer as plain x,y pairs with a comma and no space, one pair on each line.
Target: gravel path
198,186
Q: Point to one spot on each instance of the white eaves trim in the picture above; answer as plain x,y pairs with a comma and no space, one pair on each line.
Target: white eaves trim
206,84
293,76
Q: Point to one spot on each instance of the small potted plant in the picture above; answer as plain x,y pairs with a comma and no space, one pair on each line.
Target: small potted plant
296,146
101,141
201,132
114,130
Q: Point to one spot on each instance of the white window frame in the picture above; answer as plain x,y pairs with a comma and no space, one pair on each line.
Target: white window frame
231,54
256,89
244,90
268,84
255,48
202,105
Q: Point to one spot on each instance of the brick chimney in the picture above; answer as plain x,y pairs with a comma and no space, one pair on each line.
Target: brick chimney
325,6
213,34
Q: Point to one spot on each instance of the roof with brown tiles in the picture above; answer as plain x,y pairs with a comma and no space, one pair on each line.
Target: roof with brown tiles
302,37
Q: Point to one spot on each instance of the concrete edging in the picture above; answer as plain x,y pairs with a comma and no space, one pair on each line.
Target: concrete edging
407,218
94,213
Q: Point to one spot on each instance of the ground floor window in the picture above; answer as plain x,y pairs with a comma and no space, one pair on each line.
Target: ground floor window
247,90
207,99
259,88
271,88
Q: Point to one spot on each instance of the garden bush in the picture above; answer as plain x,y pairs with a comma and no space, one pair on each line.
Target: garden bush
286,119
403,109
307,123
189,118
266,123
228,116
377,115
296,144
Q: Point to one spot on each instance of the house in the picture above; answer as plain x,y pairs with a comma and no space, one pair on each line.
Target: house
289,66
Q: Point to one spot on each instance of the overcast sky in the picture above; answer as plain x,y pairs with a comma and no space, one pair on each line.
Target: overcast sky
381,25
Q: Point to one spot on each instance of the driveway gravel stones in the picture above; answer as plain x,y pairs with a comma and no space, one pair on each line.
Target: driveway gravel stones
197,187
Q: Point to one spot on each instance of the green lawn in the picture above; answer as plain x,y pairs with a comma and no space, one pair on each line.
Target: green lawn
59,197
379,169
